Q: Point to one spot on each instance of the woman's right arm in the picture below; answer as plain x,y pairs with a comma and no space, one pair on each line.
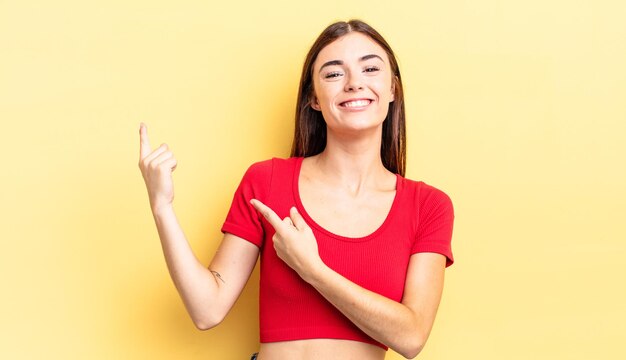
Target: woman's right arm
208,294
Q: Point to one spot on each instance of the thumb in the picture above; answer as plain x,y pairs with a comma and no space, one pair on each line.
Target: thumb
297,219
144,142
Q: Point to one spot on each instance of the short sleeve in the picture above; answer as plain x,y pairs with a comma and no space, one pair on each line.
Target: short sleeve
242,219
436,219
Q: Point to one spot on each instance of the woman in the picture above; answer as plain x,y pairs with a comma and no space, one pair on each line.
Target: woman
352,254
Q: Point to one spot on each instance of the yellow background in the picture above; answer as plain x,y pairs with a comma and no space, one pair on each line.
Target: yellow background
516,109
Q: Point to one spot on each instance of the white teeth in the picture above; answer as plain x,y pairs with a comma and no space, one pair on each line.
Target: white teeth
356,103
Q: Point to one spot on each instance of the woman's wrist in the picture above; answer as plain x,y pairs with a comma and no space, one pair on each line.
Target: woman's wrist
160,210
317,274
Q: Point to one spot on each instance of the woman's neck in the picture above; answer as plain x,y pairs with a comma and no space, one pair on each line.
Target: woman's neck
355,164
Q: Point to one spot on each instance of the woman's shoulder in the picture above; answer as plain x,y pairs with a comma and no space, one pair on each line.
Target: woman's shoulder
423,191
269,166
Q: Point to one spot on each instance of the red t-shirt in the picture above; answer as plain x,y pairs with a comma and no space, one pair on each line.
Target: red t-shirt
420,220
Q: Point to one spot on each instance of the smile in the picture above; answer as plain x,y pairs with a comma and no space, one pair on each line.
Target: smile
356,103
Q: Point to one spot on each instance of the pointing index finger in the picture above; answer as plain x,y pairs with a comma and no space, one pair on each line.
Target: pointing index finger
268,213
144,141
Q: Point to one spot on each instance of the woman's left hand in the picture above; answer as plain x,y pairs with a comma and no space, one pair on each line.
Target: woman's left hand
294,241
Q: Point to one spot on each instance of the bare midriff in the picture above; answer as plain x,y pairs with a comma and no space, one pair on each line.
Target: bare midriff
316,349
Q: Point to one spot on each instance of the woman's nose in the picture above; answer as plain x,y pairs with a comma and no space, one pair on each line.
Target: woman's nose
354,83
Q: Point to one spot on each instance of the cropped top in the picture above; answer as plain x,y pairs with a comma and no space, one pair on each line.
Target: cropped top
420,220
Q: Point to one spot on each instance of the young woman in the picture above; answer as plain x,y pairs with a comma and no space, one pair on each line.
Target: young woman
352,253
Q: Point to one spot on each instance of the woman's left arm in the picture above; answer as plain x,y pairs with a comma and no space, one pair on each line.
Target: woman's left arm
404,326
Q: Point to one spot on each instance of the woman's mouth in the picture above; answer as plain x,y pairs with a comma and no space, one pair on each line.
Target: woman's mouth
356,103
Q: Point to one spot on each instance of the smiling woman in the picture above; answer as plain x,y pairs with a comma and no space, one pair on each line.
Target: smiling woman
352,253
352,93
310,132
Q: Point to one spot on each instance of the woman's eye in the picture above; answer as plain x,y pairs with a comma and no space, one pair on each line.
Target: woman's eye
371,69
332,75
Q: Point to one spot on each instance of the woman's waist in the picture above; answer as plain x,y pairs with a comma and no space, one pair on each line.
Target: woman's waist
315,349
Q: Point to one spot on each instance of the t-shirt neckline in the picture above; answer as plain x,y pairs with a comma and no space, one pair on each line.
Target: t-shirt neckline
313,223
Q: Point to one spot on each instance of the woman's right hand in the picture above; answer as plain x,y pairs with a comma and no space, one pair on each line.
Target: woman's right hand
156,167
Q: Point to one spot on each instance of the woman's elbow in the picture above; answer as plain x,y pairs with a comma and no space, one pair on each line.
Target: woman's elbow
207,321
203,326
412,347
412,352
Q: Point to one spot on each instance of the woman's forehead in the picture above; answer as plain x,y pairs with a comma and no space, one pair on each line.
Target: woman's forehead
352,46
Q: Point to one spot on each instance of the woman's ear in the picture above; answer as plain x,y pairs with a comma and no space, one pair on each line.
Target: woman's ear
393,88
315,105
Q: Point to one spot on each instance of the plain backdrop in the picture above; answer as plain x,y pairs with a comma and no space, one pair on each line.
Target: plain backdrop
516,109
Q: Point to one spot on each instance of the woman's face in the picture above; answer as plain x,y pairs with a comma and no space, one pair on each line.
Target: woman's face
352,82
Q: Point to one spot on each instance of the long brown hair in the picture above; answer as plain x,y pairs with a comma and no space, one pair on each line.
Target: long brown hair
310,131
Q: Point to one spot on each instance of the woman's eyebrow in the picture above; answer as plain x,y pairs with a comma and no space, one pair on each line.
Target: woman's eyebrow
370,56
340,62
331,63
